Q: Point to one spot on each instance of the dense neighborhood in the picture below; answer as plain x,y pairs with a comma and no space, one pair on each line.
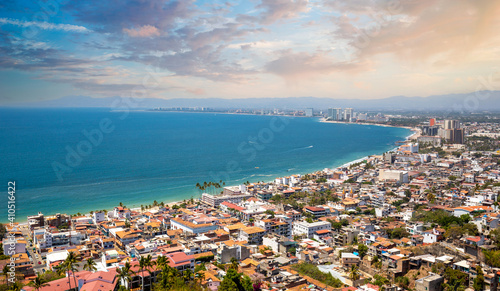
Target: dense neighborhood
422,217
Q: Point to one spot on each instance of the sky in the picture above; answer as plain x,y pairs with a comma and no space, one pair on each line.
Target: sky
361,49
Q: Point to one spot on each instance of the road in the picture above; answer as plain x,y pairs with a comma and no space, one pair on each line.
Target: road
38,263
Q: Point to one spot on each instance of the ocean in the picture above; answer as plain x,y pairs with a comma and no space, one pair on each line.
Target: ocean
78,160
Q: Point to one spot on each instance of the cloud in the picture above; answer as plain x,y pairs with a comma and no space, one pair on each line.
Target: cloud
262,44
204,62
294,66
115,15
436,31
219,35
144,31
275,10
196,91
45,25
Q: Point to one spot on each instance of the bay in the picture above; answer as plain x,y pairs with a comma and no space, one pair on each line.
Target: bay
145,155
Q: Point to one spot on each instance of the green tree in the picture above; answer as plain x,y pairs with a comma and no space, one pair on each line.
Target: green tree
70,263
354,274
403,282
39,282
362,250
90,265
227,285
456,280
246,283
478,284
397,233
200,267
380,280
234,276
465,218
123,275
144,264
454,232
234,263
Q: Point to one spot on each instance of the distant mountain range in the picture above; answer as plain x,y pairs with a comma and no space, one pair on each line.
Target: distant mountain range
480,101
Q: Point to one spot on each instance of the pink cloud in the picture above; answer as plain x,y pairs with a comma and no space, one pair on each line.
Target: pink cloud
196,91
144,31
294,66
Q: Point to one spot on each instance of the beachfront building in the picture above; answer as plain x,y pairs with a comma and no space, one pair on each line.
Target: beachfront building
335,114
98,217
121,213
308,229
36,221
187,226
348,114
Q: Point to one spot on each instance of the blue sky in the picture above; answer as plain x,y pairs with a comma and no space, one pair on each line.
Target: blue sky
261,48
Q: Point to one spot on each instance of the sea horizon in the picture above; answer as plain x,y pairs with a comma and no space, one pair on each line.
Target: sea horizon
134,167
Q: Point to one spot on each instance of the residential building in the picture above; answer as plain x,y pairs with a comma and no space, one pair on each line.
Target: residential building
187,226
432,282
308,229
349,259
253,235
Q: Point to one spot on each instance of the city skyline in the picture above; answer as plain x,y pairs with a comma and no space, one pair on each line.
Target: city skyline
197,49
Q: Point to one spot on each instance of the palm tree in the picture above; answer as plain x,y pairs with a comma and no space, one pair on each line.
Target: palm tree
161,262
61,269
70,263
354,273
144,264
165,278
39,282
149,266
124,274
90,265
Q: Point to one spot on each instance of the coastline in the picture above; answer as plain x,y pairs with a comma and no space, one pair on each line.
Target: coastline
196,195
416,131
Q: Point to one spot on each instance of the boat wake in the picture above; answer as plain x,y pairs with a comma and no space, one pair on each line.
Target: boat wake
302,148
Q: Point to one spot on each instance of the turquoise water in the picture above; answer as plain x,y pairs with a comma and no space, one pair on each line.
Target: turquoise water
146,156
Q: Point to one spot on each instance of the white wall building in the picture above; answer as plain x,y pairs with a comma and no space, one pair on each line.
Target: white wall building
98,217
308,229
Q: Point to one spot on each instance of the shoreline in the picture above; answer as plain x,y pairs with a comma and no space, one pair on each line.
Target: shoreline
416,131
197,196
